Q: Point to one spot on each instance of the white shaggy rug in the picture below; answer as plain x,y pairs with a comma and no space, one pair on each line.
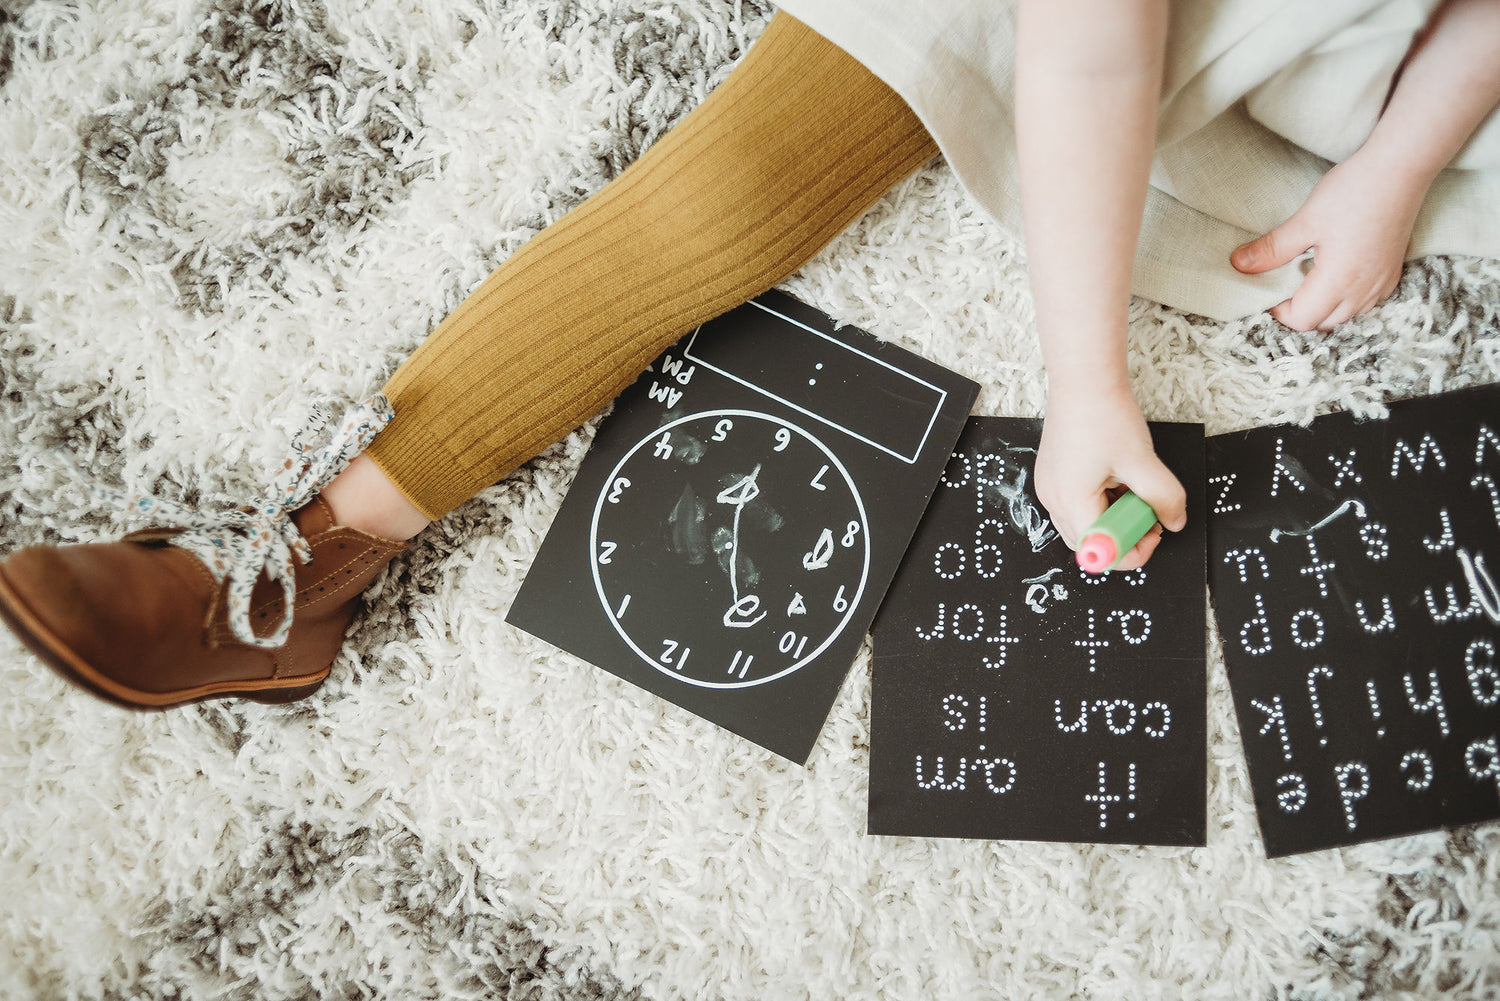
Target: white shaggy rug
214,213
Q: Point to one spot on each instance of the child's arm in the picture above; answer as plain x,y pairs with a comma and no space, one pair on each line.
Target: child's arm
1088,81
1359,217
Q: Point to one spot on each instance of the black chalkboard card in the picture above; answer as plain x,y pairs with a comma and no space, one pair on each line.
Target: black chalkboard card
1015,696
1347,563
738,519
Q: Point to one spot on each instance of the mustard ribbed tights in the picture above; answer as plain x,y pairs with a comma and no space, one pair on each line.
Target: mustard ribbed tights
795,144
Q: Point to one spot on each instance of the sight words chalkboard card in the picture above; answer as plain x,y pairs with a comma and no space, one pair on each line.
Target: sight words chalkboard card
1015,696
1358,613
740,514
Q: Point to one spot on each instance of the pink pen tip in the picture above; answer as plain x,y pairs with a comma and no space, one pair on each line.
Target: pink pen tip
1096,552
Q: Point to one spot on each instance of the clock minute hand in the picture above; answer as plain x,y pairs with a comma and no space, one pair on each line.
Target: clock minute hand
739,494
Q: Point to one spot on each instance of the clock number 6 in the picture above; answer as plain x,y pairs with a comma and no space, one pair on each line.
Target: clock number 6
840,603
783,439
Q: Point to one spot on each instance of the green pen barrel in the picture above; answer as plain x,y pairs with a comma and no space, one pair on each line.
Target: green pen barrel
1116,531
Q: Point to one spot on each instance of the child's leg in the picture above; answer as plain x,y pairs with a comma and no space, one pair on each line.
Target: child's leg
794,145
791,148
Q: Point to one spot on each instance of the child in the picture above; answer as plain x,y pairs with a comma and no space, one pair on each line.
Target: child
789,150
1219,91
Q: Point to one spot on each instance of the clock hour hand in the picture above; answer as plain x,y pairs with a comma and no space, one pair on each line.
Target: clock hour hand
741,492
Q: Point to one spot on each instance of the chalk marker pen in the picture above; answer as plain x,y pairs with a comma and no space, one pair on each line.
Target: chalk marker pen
1115,532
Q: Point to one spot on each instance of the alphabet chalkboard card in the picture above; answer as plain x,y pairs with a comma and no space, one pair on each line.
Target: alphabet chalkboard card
1347,563
1015,696
740,514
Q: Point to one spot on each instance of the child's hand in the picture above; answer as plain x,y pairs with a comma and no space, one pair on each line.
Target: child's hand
1357,221
1093,443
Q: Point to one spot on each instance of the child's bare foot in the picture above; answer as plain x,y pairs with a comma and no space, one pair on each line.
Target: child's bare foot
1357,222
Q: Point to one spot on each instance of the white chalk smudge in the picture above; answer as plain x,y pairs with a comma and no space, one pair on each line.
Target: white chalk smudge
688,450
688,532
1024,515
1038,594
1357,506
1481,584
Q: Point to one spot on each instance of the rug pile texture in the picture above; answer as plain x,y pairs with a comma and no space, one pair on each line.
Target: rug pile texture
215,214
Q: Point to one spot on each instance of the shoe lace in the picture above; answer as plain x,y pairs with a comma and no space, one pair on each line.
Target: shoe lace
241,544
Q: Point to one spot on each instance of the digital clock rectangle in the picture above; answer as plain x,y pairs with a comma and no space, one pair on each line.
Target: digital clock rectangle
740,514
815,374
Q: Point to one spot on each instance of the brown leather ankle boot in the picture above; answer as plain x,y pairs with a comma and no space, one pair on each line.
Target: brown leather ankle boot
144,623
252,602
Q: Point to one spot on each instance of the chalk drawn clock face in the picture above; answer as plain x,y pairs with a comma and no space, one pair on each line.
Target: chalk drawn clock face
730,548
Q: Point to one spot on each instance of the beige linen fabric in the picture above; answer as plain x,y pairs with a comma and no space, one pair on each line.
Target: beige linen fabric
1259,99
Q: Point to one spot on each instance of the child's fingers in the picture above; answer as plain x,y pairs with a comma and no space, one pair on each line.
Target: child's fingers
1141,551
1346,310
1072,519
1376,292
1311,304
1154,483
1282,245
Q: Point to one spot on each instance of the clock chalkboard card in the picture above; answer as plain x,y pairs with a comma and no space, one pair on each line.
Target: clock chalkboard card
1358,614
740,514
1017,697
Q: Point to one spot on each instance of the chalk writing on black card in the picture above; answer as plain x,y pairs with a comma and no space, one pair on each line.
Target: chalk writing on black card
735,525
1358,612
1016,696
